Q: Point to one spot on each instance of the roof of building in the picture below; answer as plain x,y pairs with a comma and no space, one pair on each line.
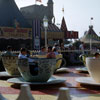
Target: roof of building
34,11
63,25
53,32
51,28
9,12
90,34
68,34
38,12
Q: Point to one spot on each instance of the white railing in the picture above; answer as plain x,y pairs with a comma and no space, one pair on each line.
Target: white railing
37,51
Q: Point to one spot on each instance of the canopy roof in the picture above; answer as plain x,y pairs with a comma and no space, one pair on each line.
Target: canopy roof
90,35
51,28
53,32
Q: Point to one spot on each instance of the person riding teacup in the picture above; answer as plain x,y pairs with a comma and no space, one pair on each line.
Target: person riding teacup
32,62
97,55
23,54
50,53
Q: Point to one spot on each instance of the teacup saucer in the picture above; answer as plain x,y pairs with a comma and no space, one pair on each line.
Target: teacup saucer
87,81
5,74
20,80
84,69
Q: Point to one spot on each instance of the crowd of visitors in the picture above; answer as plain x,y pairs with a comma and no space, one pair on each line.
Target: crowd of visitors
51,52
25,54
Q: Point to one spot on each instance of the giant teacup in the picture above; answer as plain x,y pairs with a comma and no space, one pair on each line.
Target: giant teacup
93,65
45,69
83,58
10,64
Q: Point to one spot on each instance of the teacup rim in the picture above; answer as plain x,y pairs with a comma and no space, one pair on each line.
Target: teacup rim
38,58
92,58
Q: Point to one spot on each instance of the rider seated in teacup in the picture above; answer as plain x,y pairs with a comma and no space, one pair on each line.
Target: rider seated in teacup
8,52
43,51
97,55
55,51
50,53
32,63
23,54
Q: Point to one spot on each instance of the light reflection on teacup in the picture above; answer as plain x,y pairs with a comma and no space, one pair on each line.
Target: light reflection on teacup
93,65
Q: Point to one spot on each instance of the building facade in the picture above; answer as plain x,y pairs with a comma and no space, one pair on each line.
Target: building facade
17,28
37,12
14,28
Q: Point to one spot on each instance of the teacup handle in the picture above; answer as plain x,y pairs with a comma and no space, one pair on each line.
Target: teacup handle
62,60
81,58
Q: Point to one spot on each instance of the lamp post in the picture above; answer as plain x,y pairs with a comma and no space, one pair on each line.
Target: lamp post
91,26
45,24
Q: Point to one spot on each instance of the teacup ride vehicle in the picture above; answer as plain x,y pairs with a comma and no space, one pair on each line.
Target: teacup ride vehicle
83,58
1,65
93,65
38,71
10,65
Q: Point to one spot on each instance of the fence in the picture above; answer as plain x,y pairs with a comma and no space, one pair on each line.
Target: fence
60,51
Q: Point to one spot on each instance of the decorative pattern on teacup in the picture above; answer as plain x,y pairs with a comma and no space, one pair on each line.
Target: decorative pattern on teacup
10,65
23,62
44,65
